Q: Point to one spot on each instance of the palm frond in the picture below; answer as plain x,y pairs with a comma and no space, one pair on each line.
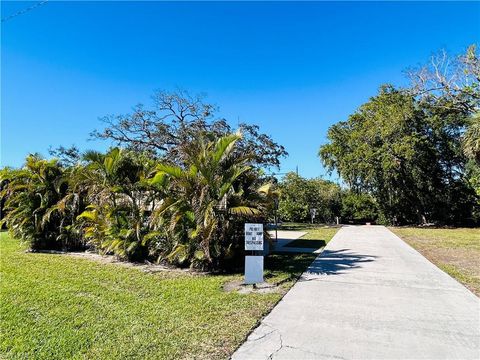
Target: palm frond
244,211
224,146
174,171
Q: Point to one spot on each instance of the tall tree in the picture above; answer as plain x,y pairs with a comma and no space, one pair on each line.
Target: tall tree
38,207
299,195
208,195
404,146
177,119
406,154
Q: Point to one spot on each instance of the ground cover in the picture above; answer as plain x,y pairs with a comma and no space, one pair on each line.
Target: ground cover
59,307
317,236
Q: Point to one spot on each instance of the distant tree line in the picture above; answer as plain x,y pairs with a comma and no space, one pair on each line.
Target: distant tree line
299,196
416,151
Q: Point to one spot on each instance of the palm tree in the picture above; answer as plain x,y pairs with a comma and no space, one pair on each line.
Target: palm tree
471,139
471,149
34,208
114,220
207,196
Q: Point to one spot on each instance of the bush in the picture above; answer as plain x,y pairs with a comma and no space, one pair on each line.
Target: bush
299,195
38,205
125,203
358,207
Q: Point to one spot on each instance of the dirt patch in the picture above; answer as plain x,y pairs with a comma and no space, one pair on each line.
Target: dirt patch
146,266
460,258
241,288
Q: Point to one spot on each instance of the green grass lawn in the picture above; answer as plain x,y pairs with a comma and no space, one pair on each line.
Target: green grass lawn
455,251
59,307
317,236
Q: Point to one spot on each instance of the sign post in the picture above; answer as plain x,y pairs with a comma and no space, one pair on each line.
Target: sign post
253,263
313,214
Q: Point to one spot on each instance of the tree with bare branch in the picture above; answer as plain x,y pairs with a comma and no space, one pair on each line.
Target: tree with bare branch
177,118
448,81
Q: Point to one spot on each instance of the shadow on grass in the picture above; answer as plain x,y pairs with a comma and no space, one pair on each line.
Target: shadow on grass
334,262
292,265
305,243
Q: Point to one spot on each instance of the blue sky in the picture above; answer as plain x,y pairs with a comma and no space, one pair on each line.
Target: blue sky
292,68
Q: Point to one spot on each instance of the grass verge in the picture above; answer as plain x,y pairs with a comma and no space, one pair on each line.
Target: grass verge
317,236
59,307
455,251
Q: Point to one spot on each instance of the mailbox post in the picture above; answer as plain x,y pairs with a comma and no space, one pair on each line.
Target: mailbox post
253,262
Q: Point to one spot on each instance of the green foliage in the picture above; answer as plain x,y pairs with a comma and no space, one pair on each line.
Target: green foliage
408,148
116,221
39,206
358,207
471,139
207,202
407,154
129,204
471,148
298,195
473,176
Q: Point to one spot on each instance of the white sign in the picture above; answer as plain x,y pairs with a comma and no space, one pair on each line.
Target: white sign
253,269
253,236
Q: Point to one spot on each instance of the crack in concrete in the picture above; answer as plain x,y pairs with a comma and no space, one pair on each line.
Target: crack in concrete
270,357
282,345
264,335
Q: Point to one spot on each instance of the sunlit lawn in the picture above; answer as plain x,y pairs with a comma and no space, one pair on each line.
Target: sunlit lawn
317,235
59,307
456,251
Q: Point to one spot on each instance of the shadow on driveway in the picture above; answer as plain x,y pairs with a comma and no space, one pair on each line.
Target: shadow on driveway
334,262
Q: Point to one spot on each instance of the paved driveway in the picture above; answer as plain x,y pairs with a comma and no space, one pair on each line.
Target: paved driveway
370,296
285,237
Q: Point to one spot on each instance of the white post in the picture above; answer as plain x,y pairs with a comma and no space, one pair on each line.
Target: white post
253,264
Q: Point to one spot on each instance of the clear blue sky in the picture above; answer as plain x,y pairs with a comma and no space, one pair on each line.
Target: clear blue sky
292,68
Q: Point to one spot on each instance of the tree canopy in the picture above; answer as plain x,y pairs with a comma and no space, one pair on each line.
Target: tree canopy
176,187
408,147
125,202
299,195
175,120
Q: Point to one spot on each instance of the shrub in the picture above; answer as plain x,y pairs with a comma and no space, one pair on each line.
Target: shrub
125,203
358,207
39,207
300,195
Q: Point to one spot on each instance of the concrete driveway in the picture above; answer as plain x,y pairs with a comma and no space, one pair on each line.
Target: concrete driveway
369,295
285,237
